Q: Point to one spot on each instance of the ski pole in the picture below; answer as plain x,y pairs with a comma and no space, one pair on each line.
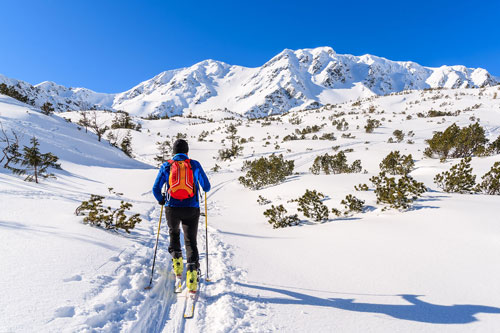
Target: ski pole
206,233
156,248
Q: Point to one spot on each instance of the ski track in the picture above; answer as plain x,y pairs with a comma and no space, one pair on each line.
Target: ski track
119,303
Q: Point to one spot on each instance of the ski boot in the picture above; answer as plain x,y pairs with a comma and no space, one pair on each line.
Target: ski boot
192,277
178,269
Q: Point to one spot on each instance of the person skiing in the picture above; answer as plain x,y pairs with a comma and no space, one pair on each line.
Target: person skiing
183,177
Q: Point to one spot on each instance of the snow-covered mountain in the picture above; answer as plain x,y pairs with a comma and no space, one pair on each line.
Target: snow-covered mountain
291,80
62,98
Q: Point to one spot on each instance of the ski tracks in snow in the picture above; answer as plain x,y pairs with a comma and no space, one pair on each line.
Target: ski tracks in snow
119,303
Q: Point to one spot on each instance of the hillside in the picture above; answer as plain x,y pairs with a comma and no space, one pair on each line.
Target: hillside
429,268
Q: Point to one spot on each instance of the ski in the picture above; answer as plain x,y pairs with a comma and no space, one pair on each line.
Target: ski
191,298
178,285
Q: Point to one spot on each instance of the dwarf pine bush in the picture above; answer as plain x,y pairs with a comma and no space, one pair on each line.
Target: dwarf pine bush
491,181
456,142
263,201
494,147
396,164
371,124
459,179
266,171
399,135
398,194
278,218
352,204
230,153
311,205
334,164
96,214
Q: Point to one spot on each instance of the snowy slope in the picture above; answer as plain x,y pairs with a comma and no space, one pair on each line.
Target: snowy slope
430,269
291,80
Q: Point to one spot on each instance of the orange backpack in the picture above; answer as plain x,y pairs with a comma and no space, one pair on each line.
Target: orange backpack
180,180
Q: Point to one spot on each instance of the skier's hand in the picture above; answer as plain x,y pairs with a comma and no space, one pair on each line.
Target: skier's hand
162,201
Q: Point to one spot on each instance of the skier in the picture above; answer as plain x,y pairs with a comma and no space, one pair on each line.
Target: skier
182,176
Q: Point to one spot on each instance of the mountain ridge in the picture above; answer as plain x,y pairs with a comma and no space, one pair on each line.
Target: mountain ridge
292,79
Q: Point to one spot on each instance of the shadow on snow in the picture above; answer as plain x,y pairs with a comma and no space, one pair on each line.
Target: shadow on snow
416,310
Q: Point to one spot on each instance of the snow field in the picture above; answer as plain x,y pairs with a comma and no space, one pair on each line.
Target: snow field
430,269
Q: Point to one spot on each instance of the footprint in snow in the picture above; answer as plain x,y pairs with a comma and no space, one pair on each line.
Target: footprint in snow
65,312
73,278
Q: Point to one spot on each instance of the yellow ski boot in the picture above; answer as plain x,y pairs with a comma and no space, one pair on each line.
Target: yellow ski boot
192,280
178,266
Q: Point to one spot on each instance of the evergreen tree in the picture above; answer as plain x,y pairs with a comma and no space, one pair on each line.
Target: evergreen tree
164,149
35,164
47,108
126,144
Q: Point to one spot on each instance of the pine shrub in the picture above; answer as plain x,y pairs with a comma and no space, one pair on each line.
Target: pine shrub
494,147
371,124
396,164
98,215
230,153
311,205
398,194
459,179
334,164
47,108
491,181
399,135
266,171
263,201
278,218
456,142
352,204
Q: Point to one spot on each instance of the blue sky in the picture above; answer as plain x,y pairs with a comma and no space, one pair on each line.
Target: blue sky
110,46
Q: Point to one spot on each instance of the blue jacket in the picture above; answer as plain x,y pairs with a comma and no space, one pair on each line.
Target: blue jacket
200,178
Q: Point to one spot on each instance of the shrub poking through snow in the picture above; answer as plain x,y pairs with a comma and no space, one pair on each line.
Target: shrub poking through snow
230,153
494,147
459,179
456,142
263,201
399,135
371,124
398,194
396,164
352,204
266,171
311,206
278,218
361,187
47,108
34,164
334,164
98,215
491,181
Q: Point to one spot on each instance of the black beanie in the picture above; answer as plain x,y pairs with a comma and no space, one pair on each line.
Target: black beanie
181,146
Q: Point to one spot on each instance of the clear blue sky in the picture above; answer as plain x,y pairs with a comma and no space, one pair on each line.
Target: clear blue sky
109,46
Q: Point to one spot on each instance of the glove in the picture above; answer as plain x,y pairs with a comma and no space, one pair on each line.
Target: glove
162,201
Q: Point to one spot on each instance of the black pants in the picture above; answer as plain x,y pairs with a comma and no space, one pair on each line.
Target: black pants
189,216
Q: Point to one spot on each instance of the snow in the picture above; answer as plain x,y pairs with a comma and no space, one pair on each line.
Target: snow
429,269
